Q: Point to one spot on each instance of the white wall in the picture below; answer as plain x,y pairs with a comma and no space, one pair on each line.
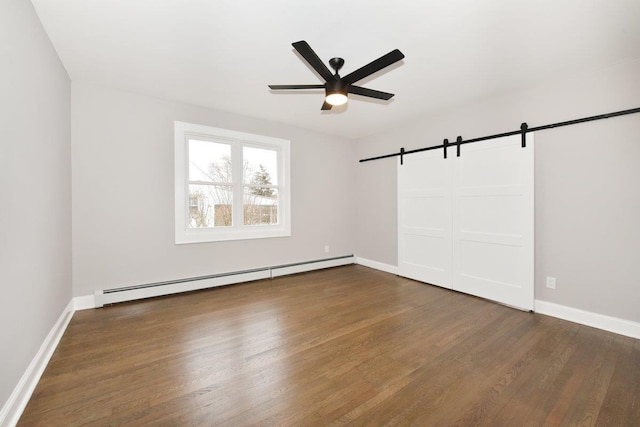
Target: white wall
587,194
123,214
35,190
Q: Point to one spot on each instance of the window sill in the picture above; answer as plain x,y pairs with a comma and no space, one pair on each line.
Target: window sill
218,235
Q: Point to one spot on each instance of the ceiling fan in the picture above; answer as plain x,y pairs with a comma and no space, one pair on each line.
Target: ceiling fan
336,87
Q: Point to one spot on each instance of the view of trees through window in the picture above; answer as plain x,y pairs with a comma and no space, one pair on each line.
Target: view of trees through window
211,189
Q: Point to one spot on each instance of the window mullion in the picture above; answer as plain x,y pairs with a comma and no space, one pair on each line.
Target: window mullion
237,163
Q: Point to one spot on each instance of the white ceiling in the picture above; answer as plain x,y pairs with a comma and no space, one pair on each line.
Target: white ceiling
223,53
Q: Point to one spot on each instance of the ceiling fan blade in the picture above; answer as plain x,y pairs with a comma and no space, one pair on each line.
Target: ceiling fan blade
326,106
285,87
359,90
310,56
374,66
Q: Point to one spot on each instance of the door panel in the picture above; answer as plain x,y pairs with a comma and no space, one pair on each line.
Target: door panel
424,218
493,221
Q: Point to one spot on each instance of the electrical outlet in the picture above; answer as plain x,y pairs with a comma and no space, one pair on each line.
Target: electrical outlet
326,249
551,282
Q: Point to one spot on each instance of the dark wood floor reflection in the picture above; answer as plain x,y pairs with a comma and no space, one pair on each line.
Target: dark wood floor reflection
348,345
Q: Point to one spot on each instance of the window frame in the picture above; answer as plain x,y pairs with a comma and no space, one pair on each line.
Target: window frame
237,140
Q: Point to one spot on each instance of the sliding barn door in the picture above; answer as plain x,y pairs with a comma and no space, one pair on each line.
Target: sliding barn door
493,221
424,218
475,219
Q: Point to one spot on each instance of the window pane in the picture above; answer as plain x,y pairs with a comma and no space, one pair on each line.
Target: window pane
209,161
210,206
260,166
260,206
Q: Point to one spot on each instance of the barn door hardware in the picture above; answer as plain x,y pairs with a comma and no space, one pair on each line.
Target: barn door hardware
524,129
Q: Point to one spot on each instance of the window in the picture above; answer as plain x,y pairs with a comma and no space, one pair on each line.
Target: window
229,185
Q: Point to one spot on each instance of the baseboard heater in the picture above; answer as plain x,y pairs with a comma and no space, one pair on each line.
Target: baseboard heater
130,293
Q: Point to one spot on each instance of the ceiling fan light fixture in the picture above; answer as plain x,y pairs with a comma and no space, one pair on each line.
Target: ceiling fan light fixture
336,98
336,92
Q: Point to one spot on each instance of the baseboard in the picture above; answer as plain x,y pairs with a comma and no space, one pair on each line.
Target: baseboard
285,270
84,302
13,408
100,298
595,320
111,296
377,265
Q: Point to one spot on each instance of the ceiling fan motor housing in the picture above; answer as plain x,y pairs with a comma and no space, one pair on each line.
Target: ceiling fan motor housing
336,86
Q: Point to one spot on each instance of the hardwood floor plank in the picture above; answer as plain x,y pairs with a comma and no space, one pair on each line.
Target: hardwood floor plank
528,403
347,345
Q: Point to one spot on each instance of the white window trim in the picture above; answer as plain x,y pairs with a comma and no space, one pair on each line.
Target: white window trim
238,231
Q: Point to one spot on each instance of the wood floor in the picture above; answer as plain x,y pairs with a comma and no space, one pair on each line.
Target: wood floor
348,345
